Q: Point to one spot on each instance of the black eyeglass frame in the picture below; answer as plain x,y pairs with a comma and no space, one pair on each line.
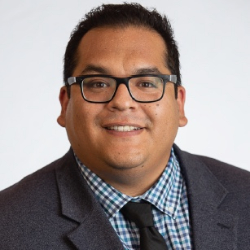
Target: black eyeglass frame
123,80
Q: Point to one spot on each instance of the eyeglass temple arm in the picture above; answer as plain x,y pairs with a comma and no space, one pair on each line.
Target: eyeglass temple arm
173,78
71,80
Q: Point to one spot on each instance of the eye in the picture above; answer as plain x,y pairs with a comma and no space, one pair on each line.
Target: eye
147,84
96,83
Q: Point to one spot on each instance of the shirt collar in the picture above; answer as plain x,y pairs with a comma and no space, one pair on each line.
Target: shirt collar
165,194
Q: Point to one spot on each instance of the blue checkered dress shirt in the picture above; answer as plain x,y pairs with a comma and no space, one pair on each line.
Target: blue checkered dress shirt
170,210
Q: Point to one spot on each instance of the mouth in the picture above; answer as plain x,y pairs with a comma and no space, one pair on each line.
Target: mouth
125,128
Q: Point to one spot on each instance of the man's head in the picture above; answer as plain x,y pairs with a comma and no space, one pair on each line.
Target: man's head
123,15
126,142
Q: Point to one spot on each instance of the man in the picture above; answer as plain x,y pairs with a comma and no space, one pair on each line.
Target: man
122,104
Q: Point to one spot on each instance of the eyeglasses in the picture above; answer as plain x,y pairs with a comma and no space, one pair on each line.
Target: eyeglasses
142,88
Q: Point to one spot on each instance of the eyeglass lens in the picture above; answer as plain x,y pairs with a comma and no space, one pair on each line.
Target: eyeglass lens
102,89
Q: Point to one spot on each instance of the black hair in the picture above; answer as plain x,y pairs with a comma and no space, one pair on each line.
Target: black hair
123,15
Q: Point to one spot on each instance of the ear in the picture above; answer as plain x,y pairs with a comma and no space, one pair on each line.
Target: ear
64,100
181,103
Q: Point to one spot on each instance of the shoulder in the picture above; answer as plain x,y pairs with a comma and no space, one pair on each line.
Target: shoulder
30,193
234,179
31,208
230,175
220,169
33,193
42,180
36,186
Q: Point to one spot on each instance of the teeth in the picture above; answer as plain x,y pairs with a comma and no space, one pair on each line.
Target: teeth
123,128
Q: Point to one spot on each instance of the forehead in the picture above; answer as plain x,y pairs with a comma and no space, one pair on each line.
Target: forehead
122,47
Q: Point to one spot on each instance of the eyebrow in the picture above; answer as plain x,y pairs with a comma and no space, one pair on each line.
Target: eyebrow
94,68
91,68
152,70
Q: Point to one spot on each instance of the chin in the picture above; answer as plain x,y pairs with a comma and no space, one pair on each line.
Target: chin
126,163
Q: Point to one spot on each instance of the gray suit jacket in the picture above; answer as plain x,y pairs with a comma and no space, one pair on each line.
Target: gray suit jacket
54,208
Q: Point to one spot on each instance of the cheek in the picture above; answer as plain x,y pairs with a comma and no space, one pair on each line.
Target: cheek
166,116
82,119
76,128
75,117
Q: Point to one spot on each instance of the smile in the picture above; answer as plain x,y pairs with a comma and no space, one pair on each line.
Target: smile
123,128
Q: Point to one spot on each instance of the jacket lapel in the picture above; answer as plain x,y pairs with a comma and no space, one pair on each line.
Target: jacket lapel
78,203
212,227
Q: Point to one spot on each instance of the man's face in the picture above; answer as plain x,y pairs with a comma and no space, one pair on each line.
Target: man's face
92,128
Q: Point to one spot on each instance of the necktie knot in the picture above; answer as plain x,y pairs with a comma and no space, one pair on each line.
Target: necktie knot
139,213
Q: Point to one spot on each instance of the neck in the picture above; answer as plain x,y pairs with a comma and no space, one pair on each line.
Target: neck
133,182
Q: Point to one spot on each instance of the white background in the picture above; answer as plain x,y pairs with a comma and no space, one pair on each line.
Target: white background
214,43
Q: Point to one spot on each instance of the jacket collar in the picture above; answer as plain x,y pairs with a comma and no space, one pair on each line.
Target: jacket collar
78,203
212,227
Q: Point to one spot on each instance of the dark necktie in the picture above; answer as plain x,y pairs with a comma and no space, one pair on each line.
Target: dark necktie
141,215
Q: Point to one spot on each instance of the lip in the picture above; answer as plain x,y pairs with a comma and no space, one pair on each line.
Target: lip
123,129
117,124
126,128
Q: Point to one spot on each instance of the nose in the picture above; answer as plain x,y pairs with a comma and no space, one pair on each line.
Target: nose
122,99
